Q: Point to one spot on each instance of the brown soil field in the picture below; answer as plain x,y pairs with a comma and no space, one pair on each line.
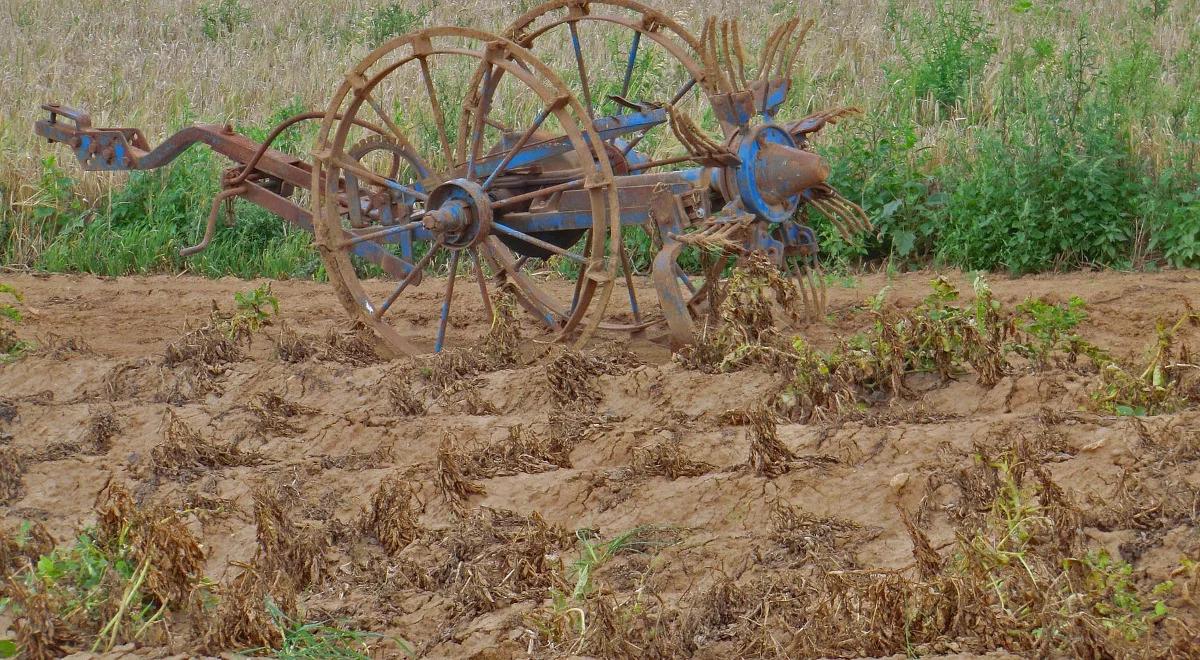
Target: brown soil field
455,509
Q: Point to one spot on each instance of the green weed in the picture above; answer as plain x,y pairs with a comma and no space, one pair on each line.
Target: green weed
10,316
944,52
391,20
315,640
1050,328
254,309
595,553
221,17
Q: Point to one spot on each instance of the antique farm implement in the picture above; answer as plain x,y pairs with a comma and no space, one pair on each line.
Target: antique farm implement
465,147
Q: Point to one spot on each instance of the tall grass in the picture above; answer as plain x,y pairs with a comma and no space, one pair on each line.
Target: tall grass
1018,135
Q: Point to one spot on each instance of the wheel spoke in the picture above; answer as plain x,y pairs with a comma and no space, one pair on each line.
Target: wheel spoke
483,292
583,77
522,236
396,132
481,112
438,117
587,254
378,233
625,266
536,194
520,144
360,171
408,279
441,331
637,39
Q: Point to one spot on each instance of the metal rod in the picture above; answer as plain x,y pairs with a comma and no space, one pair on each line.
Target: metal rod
522,236
537,123
399,135
485,106
687,87
363,172
661,162
443,137
211,227
583,78
587,254
637,39
483,292
378,233
535,194
625,266
412,275
441,332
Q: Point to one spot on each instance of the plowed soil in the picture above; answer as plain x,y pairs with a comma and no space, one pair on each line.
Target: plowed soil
509,472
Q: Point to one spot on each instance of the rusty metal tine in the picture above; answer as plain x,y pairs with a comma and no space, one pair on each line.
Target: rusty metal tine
854,214
708,46
819,273
798,278
834,217
796,44
782,50
726,46
777,44
768,53
739,51
815,284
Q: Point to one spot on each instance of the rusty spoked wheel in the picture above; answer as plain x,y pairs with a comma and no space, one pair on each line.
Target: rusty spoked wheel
625,60
481,136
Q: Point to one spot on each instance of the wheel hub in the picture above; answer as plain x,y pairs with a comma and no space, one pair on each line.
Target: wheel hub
459,214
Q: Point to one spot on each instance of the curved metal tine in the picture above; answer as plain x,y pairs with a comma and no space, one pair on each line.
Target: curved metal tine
583,77
522,236
629,64
739,52
727,48
438,116
767,57
445,317
520,263
797,274
483,292
408,279
521,142
782,52
396,132
355,239
822,288
482,111
795,54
